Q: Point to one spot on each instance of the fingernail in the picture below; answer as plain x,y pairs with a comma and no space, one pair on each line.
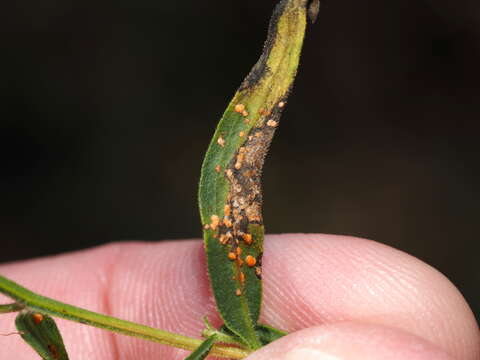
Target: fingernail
308,354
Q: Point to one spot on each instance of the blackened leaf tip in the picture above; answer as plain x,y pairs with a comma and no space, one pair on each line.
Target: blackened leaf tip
313,10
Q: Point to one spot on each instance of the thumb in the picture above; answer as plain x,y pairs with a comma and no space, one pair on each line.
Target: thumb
350,341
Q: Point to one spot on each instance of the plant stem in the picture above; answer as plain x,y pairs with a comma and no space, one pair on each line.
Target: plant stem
27,298
8,308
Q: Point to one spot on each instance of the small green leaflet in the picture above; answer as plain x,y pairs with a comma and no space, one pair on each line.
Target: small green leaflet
230,197
267,334
41,333
203,350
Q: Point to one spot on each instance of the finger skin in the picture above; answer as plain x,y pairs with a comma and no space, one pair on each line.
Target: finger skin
310,280
351,341
336,278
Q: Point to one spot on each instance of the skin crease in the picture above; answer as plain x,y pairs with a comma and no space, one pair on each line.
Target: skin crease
359,300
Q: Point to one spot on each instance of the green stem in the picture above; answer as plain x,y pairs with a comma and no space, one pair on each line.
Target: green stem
8,308
219,335
27,298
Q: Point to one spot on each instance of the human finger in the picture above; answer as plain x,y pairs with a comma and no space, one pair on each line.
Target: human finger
350,341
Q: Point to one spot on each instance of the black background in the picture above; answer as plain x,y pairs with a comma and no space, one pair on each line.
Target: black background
107,108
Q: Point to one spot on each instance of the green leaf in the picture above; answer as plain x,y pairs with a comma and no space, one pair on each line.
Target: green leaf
203,350
41,333
267,334
230,196
223,335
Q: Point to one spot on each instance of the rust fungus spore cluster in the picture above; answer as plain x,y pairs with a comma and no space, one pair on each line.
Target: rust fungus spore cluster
244,201
37,318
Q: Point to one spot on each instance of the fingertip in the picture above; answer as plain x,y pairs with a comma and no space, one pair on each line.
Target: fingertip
327,279
350,341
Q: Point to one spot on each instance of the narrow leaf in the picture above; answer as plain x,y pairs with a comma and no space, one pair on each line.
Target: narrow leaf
41,333
267,334
203,350
223,335
230,197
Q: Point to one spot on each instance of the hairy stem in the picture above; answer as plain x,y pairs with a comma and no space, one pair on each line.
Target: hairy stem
26,298
9,308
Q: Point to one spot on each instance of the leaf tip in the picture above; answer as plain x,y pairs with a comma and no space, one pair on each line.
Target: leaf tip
313,10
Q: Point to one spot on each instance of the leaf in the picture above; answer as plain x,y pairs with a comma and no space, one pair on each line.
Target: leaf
41,333
230,198
313,10
203,350
223,335
268,334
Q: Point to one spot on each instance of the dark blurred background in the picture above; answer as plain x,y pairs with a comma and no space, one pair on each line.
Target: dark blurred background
107,108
